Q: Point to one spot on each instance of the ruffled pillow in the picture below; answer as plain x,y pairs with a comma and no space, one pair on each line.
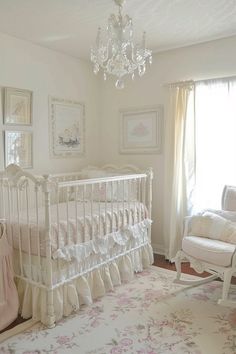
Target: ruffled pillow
226,214
213,226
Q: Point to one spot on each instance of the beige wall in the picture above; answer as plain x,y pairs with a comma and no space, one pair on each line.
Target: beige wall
209,60
46,72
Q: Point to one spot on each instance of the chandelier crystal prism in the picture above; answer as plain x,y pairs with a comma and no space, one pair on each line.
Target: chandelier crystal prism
118,55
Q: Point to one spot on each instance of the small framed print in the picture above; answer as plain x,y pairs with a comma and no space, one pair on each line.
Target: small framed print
17,106
18,148
67,128
141,130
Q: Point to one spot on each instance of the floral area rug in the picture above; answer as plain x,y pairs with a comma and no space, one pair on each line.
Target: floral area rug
149,315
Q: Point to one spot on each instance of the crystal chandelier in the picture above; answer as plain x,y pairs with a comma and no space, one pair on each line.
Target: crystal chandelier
119,56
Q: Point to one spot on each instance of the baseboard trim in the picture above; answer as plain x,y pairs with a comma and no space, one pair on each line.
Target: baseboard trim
158,248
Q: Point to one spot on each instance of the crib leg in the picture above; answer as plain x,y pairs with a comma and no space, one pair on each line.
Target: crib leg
178,261
50,310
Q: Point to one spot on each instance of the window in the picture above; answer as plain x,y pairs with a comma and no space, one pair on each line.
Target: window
215,141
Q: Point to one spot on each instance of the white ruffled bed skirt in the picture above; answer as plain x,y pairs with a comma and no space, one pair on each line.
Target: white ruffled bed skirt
68,297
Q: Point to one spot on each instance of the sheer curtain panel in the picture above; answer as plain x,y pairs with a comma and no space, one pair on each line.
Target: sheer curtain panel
215,102
179,164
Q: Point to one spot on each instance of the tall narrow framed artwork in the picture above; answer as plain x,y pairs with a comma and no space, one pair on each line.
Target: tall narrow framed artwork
67,127
17,106
19,148
141,130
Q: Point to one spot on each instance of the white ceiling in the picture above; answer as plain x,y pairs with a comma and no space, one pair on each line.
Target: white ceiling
70,26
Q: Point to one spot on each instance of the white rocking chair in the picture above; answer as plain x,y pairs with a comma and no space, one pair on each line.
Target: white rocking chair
208,254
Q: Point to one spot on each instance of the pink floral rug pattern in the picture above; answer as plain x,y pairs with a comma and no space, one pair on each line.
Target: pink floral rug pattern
150,315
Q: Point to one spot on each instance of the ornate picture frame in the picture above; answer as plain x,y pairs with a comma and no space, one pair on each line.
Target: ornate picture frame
17,106
19,148
141,130
67,127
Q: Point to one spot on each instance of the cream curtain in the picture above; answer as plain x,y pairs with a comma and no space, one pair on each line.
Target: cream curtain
179,164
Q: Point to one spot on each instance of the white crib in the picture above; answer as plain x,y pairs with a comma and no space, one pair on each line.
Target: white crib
75,237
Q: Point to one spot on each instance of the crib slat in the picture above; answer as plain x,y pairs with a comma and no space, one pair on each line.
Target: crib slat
68,241
28,229
99,211
144,196
59,241
133,189
58,218
129,212
123,202
117,205
76,215
91,210
84,212
106,223
139,199
19,233
37,234
112,208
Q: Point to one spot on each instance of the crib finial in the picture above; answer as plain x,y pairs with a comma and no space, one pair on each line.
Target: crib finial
14,172
150,172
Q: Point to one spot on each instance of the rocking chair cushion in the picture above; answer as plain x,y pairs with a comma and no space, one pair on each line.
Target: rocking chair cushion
208,250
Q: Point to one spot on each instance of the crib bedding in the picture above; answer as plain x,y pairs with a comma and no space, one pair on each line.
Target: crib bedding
77,259
80,229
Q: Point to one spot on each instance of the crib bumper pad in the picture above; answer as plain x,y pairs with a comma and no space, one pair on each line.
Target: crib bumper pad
102,245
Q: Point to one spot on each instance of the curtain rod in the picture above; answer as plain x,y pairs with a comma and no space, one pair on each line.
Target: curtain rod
182,83
179,83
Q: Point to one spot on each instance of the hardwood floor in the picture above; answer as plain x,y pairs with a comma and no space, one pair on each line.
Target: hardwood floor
159,261
13,324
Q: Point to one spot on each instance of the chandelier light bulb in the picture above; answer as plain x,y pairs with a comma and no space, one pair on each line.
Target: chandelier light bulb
118,55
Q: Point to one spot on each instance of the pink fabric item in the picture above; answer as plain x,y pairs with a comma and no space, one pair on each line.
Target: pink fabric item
9,302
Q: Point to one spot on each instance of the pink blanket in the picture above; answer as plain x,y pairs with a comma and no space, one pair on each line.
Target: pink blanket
9,302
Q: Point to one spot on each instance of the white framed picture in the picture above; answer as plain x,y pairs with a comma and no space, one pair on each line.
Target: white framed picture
19,148
67,127
17,106
141,130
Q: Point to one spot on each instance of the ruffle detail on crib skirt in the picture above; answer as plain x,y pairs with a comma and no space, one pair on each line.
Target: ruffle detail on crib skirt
69,297
128,237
